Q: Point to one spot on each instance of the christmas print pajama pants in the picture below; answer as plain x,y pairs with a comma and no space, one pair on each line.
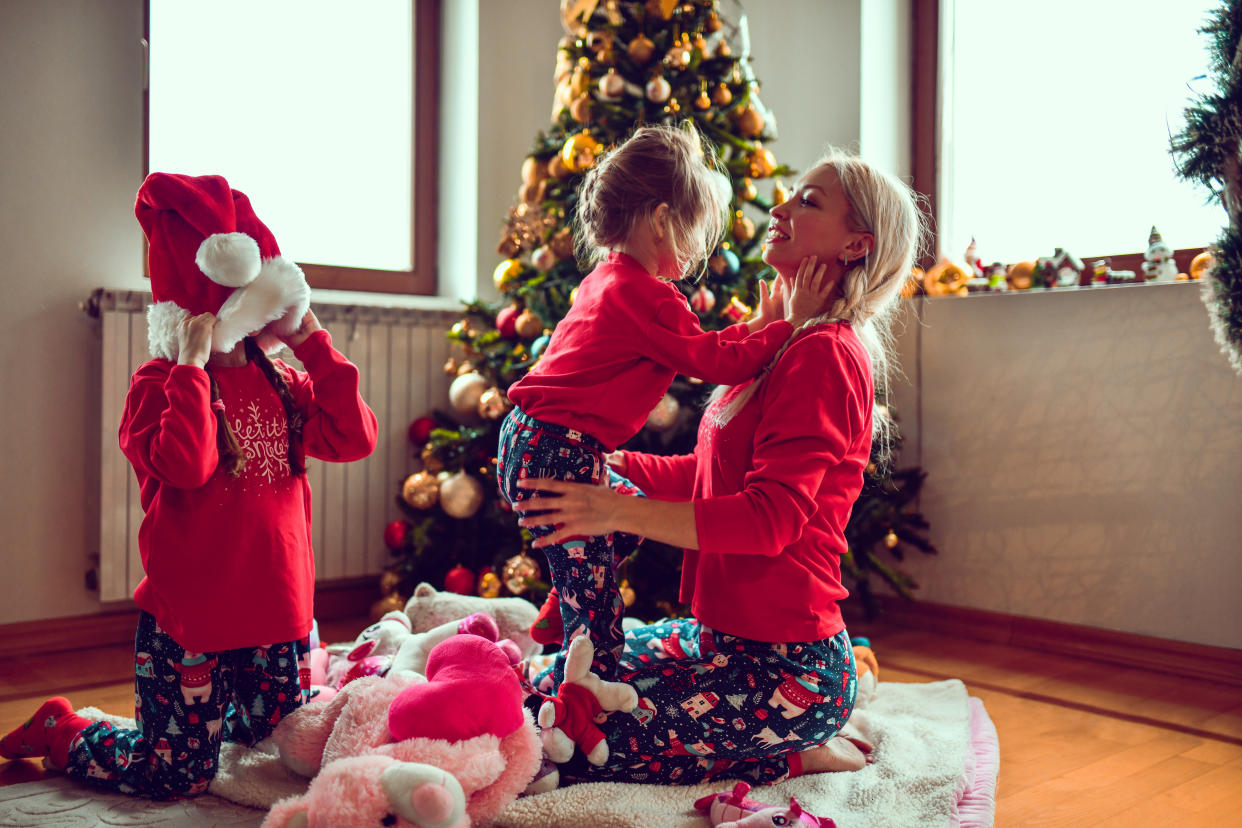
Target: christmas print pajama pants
715,706
582,570
186,703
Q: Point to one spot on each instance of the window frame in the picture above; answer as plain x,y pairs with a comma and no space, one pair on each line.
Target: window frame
926,110
422,278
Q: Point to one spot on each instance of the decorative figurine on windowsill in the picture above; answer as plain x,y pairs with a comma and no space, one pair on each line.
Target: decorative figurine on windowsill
1158,264
1061,269
1102,273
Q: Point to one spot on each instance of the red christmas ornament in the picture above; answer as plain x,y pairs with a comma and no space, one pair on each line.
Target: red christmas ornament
506,321
394,534
420,430
460,580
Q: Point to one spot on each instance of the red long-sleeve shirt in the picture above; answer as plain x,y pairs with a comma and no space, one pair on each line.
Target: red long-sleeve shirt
228,561
615,353
772,491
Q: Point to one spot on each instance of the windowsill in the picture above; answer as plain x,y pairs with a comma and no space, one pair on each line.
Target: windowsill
384,300
1063,290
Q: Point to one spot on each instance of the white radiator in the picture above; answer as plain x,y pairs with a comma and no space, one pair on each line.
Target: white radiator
400,354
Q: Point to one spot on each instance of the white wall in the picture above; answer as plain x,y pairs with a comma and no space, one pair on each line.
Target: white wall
71,162
1084,459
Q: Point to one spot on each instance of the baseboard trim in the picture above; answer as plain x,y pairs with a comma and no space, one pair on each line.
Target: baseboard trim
1162,655
334,600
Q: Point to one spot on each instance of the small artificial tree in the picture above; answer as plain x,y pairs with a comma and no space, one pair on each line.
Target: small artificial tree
1209,151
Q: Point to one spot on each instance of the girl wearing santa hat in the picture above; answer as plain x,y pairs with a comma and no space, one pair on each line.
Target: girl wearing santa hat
218,434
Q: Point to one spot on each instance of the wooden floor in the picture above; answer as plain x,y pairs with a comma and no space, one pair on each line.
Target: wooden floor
1082,743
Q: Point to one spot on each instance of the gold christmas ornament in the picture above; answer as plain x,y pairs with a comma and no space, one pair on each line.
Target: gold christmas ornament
743,228
747,190
385,605
722,96
533,170
450,367
557,168
713,23
518,571
388,582
658,89
421,490
466,390
891,540
664,415
1201,264
1020,275
702,102
762,163
562,243
580,109
723,50
662,9
489,585
749,121
627,593
678,58
640,49
573,294
493,405
465,368
429,460
505,275
528,325
461,495
579,151
780,193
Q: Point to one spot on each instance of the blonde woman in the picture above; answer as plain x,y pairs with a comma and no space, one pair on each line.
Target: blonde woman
758,681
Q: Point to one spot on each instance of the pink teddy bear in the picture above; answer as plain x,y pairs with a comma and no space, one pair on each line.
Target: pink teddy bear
465,718
736,810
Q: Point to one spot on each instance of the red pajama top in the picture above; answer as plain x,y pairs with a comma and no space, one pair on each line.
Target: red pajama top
228,561
772,492
616,352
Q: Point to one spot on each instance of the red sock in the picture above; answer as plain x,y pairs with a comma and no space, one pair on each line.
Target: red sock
47,733
547,628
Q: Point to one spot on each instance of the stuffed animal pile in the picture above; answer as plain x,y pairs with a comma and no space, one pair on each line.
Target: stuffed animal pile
426,726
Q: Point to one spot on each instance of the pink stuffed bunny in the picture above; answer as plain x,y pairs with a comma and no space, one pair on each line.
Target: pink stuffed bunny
375,790
735,810
465,718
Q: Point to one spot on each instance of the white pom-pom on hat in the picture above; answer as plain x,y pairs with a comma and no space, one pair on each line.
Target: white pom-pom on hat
229,259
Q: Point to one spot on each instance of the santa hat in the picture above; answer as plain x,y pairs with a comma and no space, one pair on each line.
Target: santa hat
209,253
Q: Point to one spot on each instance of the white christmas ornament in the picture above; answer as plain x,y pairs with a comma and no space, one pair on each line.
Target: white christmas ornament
461,495
465,392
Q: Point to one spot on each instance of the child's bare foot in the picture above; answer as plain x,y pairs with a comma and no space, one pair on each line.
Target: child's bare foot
838,754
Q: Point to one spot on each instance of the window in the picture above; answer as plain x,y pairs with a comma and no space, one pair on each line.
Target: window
1055,121
322,112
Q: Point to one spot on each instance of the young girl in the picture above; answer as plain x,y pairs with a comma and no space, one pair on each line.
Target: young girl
218,435
648,212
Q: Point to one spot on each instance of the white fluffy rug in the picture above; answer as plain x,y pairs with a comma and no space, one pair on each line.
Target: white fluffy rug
924,765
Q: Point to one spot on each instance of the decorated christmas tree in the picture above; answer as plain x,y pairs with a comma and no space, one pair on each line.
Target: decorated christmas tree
620,65
1209,151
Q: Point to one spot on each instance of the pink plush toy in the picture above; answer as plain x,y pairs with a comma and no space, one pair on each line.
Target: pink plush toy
375,790
735,810
466,718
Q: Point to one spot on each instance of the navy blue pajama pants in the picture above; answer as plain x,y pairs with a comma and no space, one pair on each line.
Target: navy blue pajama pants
582,570
186,704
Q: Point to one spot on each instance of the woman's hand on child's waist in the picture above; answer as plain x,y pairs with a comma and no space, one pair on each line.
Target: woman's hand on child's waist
572,509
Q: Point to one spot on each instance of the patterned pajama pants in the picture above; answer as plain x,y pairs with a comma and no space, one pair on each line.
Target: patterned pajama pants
186,703
714,706
583,569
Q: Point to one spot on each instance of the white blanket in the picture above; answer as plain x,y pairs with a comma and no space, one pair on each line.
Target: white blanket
921,734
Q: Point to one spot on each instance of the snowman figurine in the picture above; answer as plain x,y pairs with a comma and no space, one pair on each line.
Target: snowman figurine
1158,264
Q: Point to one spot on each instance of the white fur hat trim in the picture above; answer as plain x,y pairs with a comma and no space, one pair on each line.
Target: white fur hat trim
229,259
164,320
278,294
